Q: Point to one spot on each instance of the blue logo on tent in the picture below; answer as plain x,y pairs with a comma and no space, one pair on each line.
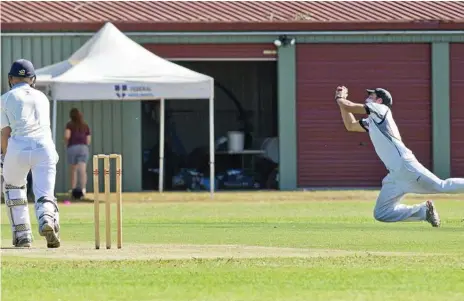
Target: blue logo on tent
120,90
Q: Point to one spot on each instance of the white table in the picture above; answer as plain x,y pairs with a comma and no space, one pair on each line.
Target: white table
243,153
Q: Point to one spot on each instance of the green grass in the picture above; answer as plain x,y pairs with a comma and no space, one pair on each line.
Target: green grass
347,278
414,272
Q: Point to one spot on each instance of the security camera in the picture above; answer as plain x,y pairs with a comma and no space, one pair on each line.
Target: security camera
284,40
277,43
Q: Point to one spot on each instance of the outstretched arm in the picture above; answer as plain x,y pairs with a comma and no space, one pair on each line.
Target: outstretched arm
350,122
351,107
347,108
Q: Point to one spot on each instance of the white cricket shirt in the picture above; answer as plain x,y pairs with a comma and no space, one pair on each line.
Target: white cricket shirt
27,111
385,136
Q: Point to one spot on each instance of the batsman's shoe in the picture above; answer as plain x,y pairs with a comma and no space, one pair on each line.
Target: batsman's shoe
24,241
431,214
50,231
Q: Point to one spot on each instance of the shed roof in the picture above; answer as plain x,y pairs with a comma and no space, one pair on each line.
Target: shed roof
231,15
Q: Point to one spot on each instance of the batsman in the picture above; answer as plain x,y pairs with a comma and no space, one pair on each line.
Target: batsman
27,145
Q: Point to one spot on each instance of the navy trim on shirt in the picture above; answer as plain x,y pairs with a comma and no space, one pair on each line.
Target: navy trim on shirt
361,122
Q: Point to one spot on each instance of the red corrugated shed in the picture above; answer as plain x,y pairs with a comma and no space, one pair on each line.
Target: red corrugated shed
231,15
327,154
457,108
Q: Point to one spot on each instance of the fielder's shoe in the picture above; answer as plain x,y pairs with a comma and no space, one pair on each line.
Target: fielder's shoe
431,214
24,241
51,232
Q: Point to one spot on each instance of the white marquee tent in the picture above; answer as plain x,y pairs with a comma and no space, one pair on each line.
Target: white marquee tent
111,66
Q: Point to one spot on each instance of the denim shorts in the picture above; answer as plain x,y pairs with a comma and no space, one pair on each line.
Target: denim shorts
78,153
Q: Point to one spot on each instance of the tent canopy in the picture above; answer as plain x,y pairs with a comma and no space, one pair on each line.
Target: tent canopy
111,66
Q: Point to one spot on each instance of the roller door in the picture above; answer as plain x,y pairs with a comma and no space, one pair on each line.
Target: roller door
327,154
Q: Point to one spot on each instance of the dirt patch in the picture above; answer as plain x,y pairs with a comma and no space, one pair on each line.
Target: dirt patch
86,251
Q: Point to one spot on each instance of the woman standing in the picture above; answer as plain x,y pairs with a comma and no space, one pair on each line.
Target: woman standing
77,140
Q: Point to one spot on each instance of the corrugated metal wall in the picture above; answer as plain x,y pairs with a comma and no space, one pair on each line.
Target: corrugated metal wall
457,108
403,69
116,126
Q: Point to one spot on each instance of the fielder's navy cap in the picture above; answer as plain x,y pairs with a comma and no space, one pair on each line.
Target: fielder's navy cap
22,68
383,94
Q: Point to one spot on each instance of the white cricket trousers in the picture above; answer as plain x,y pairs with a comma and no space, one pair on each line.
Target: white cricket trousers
39,157
412,177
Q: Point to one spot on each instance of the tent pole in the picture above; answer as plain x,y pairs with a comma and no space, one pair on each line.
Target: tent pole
54,120
161,147
211,142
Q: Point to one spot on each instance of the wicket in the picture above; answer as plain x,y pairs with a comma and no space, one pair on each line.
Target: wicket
107,198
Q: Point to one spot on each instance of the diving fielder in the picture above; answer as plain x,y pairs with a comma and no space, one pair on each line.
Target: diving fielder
405,173
27,144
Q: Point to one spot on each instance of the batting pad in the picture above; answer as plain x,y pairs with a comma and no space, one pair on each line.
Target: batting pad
18,213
